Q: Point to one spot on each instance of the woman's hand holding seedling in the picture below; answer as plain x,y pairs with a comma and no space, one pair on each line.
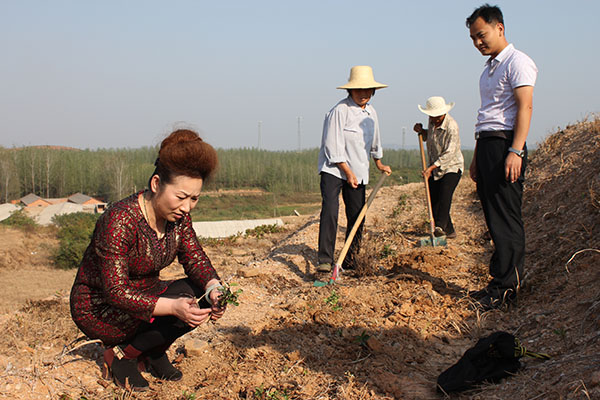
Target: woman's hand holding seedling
216,310
219,296
184,308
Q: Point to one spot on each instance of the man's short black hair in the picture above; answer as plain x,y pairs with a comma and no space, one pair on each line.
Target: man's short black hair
488,13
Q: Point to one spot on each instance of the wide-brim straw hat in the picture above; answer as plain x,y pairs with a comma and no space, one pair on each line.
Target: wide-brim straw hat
361,77
436,106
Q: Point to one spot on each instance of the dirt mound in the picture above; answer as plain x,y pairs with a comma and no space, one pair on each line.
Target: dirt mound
562,218
19,248
386,335
562,201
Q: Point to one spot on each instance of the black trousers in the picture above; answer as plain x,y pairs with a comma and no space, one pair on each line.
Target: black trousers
501,203
354,200
155,337
441,192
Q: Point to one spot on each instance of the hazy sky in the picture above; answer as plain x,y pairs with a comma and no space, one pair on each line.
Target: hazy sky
91,74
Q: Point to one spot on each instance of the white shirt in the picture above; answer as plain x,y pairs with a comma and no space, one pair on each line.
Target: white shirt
350,135
443,148
507,71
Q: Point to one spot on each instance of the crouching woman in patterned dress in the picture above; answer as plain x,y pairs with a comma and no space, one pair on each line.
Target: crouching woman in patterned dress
117,295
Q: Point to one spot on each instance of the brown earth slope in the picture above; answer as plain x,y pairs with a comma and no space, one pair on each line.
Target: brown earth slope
386,335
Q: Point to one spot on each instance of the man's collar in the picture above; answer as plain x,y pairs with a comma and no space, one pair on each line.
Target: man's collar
444,124
501,56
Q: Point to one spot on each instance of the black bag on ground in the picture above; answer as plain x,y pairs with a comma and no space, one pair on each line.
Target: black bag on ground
491,359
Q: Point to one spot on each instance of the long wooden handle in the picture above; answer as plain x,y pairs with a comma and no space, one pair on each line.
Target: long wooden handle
429,208
361,216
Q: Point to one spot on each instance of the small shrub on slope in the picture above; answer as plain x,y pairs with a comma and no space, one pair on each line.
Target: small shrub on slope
20,220
74,234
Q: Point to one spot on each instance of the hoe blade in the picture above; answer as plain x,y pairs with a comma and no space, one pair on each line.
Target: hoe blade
437,241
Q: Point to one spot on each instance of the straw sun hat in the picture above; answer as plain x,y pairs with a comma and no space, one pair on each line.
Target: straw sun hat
361,77
436,106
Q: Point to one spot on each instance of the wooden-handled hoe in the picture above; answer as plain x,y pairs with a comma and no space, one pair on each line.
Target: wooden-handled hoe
432,240
337,269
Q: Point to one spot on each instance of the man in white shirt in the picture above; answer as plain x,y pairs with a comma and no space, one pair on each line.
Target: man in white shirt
350,138
498,166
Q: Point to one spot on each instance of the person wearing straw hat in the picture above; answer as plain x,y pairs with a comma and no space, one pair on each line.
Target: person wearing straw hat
350,138
446,161
498,167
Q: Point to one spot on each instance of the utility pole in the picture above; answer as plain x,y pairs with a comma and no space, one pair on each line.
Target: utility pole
299,133
259,133
403,136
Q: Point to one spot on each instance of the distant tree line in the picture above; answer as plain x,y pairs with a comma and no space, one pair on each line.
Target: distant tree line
111,174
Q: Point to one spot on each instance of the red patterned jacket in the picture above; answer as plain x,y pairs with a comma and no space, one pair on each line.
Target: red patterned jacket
117,284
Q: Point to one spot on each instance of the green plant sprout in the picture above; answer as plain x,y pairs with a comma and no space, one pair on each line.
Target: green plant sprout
187,396
262,230
400,206
228,296
387,251
561,332
270,394
362,339
259,391
333,300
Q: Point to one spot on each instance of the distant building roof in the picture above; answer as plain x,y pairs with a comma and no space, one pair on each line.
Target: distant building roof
79,198
30,198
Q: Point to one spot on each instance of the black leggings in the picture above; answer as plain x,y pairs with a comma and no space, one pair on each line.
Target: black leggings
154,338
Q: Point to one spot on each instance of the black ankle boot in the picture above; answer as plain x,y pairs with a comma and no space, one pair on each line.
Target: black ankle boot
161,367
122,366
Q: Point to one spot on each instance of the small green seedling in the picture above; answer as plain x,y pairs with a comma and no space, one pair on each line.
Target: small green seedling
333,300
259,391
228,296
262,230
561,332
362,339
387,251
187,395
270,394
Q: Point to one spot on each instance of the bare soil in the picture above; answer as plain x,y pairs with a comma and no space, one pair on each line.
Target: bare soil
385,331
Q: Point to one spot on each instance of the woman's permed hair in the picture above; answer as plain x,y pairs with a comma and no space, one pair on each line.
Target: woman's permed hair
183,152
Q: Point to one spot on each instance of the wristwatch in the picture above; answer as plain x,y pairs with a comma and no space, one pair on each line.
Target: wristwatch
520,153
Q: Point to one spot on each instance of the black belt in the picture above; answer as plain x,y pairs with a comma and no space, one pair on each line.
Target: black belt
506,134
